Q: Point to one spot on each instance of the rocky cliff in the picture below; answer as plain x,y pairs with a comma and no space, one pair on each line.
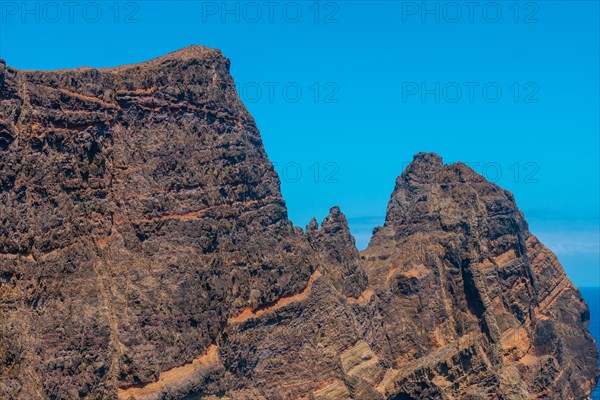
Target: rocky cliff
146,253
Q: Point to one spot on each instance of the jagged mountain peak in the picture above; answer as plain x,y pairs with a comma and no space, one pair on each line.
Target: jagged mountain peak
193,52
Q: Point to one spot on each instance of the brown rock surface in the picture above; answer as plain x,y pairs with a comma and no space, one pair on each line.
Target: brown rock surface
457,268
146,253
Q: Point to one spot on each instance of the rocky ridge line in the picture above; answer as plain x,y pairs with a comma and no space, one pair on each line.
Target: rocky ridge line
146,253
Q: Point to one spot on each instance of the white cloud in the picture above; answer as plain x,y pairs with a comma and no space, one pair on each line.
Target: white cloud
571,242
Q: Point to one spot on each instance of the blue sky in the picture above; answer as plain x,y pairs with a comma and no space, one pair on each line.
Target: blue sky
345,92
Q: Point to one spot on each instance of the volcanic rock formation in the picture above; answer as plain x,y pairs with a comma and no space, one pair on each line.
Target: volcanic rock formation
146,253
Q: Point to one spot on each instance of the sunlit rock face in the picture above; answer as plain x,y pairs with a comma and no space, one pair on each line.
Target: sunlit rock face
146,253
484,307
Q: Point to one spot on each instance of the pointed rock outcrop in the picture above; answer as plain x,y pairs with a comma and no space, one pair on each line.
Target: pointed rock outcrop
457,267
338,257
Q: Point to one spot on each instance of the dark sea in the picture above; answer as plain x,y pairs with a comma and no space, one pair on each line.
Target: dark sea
592,298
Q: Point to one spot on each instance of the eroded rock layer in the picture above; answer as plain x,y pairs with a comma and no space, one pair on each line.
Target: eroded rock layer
146,253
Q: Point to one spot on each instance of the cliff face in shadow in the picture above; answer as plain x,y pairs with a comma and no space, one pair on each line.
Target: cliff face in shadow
146,253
